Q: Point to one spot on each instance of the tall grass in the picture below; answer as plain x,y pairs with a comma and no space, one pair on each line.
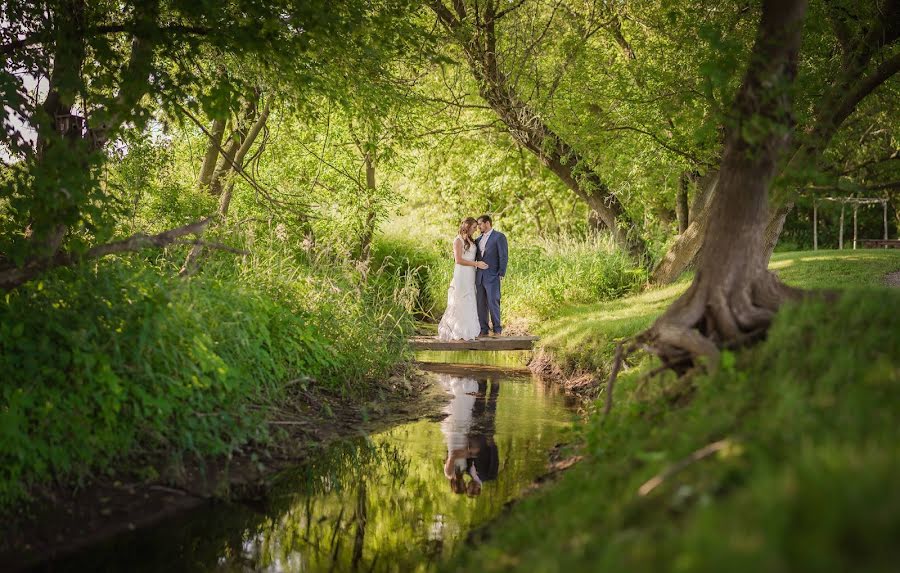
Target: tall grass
107,363
541,277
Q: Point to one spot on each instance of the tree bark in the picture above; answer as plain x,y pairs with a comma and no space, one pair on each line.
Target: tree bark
234,158
684,251
51,214
242,122
11,278
365,241
477,38
849,88
733,296
56,126
212,153
238,160
681,202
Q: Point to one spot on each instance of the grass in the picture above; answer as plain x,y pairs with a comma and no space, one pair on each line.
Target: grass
582,337
807,421
539,275
124,367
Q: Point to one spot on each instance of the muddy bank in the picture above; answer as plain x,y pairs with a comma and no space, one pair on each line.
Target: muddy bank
585,385
63,519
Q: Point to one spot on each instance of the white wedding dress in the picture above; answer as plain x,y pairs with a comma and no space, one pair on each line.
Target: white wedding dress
458,423
460,320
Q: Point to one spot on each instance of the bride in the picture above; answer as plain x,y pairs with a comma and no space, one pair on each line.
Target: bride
460,320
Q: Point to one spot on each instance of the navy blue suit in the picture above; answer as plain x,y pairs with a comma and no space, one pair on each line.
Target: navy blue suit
487,282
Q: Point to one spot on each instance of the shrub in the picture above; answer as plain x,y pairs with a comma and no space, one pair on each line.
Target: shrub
122,359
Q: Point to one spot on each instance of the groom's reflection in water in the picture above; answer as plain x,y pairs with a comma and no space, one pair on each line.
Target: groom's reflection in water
472,455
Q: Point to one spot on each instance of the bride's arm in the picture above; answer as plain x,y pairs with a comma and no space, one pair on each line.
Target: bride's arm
458,254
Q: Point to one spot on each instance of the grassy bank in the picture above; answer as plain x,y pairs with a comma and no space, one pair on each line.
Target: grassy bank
119,366
582,337
794,444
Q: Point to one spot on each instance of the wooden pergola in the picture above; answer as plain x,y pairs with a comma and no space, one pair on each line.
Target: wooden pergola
856,202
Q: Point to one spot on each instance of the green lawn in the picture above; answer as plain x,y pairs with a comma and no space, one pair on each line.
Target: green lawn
582,337
807,434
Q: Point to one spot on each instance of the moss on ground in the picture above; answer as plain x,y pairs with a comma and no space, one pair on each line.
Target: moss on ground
807,434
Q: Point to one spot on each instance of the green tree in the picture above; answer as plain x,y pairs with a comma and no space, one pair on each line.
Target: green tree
734,296
110,65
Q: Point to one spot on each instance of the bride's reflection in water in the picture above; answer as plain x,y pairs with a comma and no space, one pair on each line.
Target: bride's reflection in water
472,455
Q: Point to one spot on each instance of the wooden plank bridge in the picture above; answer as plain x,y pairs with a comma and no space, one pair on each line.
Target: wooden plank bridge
486,343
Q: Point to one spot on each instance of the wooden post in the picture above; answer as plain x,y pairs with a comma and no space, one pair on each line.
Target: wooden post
884,204
815,226
841,231
855,207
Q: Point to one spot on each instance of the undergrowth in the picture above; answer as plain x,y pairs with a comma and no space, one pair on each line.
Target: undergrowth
106,364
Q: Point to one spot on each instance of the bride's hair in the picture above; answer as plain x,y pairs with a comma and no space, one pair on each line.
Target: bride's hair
465,233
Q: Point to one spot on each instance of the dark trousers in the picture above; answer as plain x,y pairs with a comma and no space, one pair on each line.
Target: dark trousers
487,295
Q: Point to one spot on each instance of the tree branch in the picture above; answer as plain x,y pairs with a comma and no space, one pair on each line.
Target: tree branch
35,39
686,154
237,168
444,15
866,86
12,277
503,13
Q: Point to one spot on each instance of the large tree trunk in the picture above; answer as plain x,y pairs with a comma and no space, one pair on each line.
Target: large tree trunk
734,297
477,38
47,225
851,87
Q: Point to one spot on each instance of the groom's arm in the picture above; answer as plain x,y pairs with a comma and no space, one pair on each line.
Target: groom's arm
504,254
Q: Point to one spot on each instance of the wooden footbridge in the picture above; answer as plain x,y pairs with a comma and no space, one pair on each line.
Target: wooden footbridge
485,343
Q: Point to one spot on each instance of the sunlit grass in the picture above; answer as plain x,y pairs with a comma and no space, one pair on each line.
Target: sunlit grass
811,418
582,336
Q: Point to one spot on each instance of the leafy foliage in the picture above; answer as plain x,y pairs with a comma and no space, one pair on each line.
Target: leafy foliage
136,363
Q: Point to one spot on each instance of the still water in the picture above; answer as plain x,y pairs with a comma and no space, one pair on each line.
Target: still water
400,500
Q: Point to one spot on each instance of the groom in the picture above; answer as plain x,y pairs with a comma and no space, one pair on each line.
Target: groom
493,250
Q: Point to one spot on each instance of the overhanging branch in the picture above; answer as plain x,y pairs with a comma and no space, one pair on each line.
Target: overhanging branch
12,277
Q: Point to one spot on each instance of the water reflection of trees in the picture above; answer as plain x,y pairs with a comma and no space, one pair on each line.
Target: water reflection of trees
384,509
379,504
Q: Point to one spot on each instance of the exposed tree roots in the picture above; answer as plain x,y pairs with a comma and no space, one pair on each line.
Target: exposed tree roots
708,318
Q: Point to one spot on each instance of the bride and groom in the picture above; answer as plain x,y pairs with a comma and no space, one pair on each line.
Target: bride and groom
474,294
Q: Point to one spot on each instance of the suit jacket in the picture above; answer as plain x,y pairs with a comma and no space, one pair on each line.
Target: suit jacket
496,255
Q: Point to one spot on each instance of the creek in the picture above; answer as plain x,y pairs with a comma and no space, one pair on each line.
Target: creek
404,499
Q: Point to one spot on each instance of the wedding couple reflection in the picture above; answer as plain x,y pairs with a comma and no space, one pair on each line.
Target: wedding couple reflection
472,456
